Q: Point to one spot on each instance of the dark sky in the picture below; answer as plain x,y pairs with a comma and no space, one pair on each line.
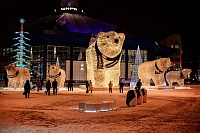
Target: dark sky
140,17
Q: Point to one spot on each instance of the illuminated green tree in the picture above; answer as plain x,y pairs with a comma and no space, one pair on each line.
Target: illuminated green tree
21,48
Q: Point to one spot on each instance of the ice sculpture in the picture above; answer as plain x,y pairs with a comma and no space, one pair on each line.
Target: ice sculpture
103,58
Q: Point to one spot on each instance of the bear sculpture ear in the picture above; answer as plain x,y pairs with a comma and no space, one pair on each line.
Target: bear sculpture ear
100,34
121,35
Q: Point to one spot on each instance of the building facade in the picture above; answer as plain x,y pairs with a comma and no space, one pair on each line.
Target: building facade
66,35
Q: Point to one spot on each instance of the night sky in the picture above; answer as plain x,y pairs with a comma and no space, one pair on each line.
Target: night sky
140,17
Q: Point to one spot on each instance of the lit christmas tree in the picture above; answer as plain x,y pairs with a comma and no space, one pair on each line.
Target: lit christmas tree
138,61
21,48
57,62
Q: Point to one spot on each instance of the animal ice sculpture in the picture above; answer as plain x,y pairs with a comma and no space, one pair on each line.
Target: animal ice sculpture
153,70
55,72
16,76
103,59
177,76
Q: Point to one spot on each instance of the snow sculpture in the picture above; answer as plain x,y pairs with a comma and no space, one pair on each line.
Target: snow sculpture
177,76
153,70
103,58
55,72
16,76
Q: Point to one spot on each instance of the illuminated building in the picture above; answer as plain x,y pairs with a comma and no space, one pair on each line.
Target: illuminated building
67,33
174,41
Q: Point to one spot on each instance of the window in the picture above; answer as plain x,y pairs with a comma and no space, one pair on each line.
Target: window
123,55
177,46
132,54
63,52
79,53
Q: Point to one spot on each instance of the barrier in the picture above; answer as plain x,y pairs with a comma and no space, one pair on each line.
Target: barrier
97,107
131,98
139,97
144,92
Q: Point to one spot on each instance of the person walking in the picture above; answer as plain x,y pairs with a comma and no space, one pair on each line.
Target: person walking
41,83
110,86
6,81
48,87
90,86
54,85
27,89
138,84
69,85
87,86
121,87
38,84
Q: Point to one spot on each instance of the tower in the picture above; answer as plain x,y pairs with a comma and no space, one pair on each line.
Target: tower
21,48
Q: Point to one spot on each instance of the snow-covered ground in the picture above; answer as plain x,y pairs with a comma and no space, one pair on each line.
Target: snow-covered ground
166,111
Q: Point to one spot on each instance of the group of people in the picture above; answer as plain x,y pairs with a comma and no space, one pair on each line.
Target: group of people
89,87
121,86
27,88
53,85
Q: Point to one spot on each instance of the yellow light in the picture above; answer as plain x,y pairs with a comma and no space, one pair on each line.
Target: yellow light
16,76
109,45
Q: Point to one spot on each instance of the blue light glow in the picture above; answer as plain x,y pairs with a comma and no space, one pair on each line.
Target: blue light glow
21,48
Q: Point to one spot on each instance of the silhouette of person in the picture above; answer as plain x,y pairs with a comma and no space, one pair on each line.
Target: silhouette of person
38,84
121,87
54,85
87,86
6,81
110,86
41,83
91,86
48,87
27,89
138,84
69,85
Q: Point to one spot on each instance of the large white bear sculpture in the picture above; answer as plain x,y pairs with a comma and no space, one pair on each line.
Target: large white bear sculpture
16,76
153,70
55,72
177,76
103,58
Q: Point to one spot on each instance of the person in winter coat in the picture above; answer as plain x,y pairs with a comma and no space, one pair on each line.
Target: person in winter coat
121,87
87,86
27,89
54,85
138,84
90,86
110,87
38,84
48,87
